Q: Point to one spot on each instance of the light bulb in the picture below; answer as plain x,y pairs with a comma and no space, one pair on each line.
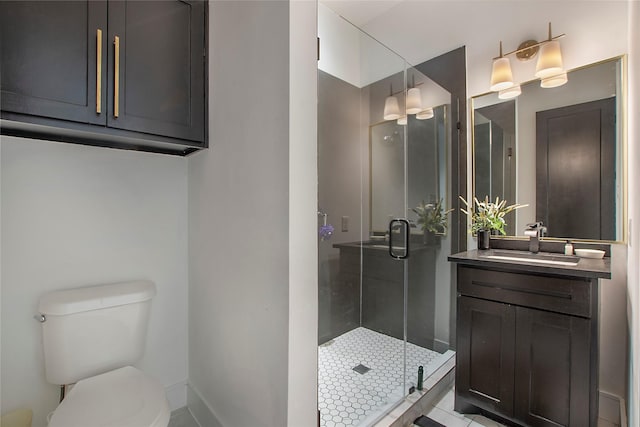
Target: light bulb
549,60
501,76
391,108
414,101
554,81
425,114
510,92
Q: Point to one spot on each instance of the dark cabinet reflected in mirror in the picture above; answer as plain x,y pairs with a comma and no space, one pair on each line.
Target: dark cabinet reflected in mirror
559,150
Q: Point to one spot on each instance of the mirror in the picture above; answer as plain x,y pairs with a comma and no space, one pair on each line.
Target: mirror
426,170
559,150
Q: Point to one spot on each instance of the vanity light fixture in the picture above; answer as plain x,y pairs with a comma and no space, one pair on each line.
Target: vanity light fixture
550,60
414,99
549,68
510,92
425,114
554,81
413,105
501,76
391,108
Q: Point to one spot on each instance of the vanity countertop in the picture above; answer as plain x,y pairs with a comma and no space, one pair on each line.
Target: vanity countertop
587,268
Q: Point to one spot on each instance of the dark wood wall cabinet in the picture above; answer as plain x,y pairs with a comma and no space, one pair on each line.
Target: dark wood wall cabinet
527,344
122,74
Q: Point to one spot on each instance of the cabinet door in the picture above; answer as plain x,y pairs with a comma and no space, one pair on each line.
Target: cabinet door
160,68
48,58
552,369
485,357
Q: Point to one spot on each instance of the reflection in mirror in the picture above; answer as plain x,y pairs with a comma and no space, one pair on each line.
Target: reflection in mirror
426,159
495,150
558,150
427,140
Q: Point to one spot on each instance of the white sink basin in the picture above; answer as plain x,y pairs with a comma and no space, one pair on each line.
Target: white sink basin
527,257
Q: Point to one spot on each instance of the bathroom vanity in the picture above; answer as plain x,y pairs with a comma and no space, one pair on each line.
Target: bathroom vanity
527,336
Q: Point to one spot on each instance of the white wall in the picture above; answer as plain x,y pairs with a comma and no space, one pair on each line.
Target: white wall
339,47
239,223
75,215
351,55
303,202
633,268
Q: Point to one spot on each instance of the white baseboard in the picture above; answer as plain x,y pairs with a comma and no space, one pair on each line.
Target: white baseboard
612,408
177,395
623,413
199,408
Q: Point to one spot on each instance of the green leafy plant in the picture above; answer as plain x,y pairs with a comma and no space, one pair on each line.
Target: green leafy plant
432,216
488,215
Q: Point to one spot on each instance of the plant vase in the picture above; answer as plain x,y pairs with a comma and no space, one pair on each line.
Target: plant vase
484,239
429,238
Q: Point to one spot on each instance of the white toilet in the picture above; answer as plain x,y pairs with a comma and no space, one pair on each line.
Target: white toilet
91,335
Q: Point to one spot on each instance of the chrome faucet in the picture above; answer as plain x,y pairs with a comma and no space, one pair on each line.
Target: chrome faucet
535,231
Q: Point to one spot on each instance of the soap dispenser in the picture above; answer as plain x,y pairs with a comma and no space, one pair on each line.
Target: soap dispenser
568,248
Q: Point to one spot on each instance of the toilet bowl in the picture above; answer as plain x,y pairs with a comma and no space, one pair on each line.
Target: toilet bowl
91,337
124,397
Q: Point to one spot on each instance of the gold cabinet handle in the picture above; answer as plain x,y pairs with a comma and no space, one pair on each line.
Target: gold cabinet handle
116,77
99,71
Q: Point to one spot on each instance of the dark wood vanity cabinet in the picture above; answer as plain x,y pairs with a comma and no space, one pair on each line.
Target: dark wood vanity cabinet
129,74
527,347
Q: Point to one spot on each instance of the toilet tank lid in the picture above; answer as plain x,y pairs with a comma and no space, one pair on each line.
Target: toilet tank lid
77,300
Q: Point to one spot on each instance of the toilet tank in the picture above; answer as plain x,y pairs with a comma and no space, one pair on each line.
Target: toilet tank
94,329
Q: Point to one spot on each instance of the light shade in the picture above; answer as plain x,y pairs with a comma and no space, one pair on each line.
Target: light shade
414,101
501,77
402,120
549,60
391,108
510,92
425,114
554,81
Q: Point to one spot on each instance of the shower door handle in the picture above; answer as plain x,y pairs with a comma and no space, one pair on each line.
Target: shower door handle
405,249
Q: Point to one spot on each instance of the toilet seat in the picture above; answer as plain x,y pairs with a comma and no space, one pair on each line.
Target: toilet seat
124,397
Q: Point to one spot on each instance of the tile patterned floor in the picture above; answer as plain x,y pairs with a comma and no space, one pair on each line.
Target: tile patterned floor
347,398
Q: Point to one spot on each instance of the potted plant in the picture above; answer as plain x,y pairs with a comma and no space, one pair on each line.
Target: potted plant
486,216
433,219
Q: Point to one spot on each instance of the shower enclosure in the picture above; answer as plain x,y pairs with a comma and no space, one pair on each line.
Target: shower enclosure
384,281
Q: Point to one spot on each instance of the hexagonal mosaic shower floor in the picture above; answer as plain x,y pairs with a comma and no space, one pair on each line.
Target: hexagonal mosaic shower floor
347,397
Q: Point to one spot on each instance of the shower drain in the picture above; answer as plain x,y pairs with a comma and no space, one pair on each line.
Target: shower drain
361,369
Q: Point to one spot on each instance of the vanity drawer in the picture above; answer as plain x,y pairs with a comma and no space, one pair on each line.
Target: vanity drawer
562,295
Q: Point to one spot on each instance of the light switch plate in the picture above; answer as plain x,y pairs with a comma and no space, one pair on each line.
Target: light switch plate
345,223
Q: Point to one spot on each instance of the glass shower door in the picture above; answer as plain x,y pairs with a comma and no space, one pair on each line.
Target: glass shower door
429,290
381,283
361,287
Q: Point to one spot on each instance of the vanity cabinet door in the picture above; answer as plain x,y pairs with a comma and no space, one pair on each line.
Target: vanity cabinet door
553,375
157,78
485,358
48,62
